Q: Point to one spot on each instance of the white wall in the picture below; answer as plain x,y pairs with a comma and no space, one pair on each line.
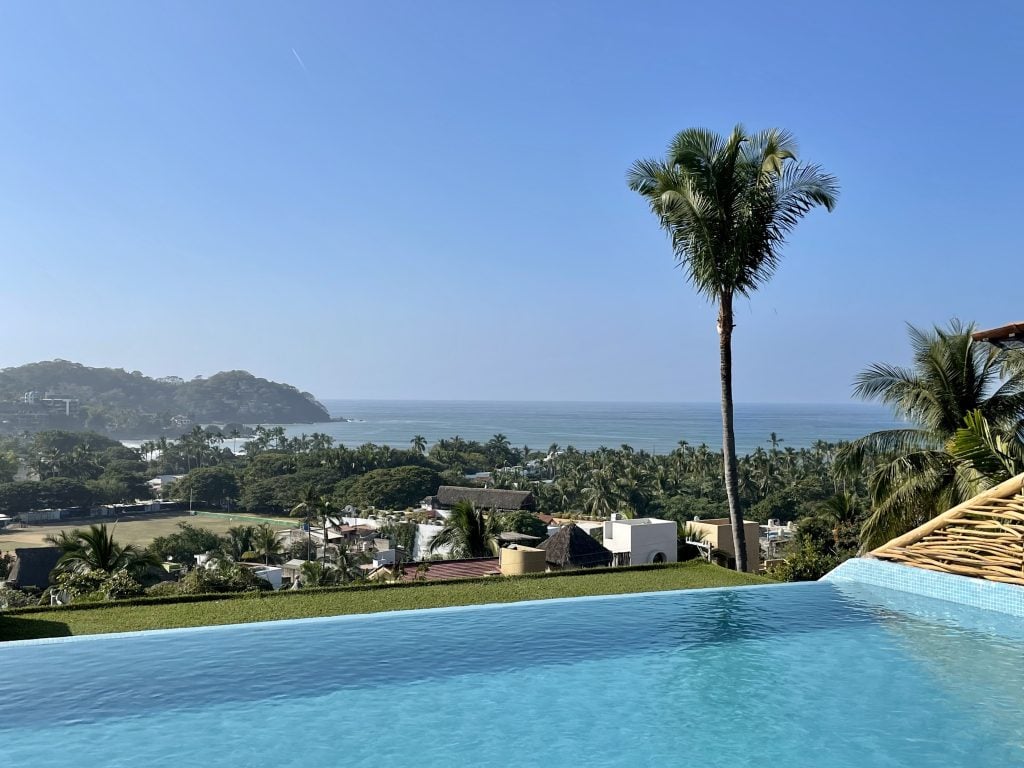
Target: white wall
644,541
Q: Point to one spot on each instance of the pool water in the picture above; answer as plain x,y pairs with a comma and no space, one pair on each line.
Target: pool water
820,675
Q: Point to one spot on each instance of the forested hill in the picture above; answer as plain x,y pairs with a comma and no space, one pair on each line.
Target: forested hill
230,396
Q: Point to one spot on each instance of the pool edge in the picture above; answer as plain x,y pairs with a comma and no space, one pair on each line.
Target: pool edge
276,623
964,590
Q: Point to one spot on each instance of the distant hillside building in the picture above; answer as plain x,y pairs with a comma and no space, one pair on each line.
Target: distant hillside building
494,499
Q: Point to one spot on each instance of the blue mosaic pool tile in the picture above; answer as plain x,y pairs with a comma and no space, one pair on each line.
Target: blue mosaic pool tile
979,593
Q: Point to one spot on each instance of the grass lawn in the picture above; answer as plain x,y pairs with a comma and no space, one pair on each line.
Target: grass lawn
139,530
294,605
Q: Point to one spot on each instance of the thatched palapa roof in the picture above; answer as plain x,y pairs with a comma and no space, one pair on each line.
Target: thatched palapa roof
571,547
32,567
983,538
485,498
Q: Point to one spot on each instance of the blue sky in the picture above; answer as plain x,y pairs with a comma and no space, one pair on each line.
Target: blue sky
427,200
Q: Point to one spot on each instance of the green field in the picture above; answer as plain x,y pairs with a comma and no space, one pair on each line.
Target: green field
139,530
86,620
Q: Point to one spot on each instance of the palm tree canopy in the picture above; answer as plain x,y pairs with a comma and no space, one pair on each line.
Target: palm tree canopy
964,401
952,375
94,549
467,533
728,203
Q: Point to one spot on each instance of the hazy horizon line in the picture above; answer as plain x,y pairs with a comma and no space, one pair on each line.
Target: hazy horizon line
591,402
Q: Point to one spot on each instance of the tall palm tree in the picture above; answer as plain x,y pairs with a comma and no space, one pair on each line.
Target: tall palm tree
314,507
956,387
95,549
727,204
468,533
419,445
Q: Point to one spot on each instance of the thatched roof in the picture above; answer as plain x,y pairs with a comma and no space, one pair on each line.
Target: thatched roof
485,498
32,567
571,547
983,537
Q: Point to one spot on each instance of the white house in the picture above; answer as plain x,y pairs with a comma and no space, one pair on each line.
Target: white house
640,541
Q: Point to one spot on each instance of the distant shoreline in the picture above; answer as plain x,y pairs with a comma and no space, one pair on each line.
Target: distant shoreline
653,427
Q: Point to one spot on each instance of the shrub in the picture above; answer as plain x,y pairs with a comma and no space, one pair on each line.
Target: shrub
227,578
804,565
183,546
15,598
164,589
120,585
80,584
523,522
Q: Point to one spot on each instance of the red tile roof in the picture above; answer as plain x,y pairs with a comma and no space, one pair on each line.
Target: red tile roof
439,570
1010,331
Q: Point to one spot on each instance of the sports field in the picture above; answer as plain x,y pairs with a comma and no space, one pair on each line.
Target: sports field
134,529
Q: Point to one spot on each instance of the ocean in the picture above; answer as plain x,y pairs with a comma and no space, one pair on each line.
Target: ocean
655,427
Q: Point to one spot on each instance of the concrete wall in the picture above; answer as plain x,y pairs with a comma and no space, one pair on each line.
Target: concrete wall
719,536
516,562
643,539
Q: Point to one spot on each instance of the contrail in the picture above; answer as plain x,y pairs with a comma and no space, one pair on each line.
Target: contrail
299,59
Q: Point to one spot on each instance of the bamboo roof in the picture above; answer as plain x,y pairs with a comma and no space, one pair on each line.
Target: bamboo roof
983,538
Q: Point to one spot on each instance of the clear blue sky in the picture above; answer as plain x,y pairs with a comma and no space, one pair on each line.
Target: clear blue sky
427,200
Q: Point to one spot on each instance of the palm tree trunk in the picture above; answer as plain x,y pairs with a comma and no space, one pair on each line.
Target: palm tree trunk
725,326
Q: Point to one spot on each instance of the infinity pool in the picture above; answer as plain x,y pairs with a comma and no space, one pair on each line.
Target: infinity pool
820,675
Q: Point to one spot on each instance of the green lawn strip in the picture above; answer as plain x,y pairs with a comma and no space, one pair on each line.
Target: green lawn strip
245,517
236,609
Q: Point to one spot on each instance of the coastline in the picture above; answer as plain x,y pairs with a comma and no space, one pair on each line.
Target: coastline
653,427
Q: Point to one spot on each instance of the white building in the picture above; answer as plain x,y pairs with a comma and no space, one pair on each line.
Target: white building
641,541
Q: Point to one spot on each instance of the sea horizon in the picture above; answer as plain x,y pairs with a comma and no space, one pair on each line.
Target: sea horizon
657,427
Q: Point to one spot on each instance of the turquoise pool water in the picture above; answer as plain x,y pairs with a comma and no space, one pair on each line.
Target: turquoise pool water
818,675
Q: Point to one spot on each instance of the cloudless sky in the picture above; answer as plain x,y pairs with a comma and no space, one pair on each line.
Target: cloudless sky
427,200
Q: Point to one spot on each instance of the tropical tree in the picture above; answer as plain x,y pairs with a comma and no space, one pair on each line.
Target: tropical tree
314,507
419,445
238,542
265,544
964,401
727,204
94,549
468,532
313,573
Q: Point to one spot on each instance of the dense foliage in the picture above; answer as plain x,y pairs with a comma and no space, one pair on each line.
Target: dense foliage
963,402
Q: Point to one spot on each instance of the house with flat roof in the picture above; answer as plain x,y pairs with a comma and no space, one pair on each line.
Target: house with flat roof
641,541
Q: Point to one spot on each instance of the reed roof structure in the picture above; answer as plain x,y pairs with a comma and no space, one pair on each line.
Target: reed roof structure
498,499
983,538
571,547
